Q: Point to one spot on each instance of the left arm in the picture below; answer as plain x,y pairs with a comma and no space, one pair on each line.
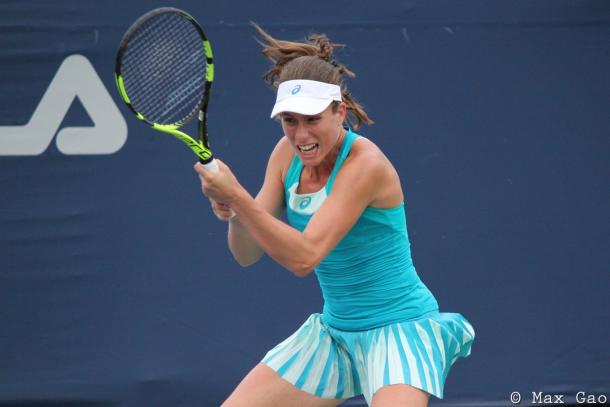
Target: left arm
362,179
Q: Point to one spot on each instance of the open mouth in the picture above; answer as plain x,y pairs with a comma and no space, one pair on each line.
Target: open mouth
307,148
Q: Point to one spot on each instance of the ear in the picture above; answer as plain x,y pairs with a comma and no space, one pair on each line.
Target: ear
342,111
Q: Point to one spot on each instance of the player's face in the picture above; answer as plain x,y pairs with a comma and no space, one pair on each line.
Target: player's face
313,137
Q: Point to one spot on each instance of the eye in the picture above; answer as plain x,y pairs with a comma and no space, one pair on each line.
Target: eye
313,119
288,120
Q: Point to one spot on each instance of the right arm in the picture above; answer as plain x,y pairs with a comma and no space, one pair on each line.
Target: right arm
270,197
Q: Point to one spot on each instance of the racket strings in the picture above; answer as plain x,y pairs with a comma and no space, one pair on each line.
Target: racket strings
164,68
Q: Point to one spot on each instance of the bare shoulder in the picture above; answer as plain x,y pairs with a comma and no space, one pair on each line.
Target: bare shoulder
366,153
281,157
284,148
271,194
367,158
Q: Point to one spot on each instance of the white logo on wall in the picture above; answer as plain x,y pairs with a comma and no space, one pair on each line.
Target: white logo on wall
75,77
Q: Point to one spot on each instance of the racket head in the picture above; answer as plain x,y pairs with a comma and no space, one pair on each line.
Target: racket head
164,68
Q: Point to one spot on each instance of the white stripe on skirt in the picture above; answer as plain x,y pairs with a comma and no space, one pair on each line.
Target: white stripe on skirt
335,364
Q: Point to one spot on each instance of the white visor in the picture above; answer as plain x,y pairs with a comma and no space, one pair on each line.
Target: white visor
305,97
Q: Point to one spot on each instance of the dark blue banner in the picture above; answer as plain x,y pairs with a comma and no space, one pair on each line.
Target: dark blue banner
116,284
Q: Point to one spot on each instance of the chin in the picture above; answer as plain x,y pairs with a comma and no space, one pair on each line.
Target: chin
311,161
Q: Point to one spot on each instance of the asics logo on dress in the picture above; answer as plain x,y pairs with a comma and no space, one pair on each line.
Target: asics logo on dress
305,202
76,77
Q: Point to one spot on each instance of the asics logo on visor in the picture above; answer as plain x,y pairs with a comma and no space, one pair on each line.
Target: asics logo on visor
296,89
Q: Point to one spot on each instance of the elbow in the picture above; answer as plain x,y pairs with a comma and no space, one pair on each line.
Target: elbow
303,268
301,271
245,254
307,263
246,261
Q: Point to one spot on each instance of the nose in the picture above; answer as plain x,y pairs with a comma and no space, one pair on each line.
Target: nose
300,132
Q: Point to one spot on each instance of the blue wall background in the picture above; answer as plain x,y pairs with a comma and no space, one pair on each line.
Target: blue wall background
116,286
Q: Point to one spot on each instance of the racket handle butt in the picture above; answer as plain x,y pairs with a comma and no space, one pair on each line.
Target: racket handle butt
210,165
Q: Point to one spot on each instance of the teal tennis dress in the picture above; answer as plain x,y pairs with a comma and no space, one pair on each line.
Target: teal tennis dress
380,324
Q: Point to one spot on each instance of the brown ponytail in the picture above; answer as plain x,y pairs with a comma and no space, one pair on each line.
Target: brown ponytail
311,60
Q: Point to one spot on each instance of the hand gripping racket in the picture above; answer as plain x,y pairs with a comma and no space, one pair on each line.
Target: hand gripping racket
164,72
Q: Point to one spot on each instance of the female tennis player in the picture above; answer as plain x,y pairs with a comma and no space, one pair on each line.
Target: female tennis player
380,333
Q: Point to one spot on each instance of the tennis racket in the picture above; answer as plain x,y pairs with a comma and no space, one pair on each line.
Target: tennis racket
164,72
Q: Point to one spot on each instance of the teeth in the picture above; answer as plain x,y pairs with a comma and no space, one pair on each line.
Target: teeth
307,147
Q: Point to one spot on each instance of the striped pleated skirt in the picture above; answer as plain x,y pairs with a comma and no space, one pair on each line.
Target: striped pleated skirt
331,363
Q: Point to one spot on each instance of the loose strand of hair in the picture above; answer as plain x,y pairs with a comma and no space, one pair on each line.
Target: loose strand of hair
280,52
356,115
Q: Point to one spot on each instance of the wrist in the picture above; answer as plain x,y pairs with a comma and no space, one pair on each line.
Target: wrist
239,200
236,195
233,218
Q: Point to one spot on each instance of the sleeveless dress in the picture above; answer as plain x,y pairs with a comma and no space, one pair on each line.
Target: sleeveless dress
380,324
